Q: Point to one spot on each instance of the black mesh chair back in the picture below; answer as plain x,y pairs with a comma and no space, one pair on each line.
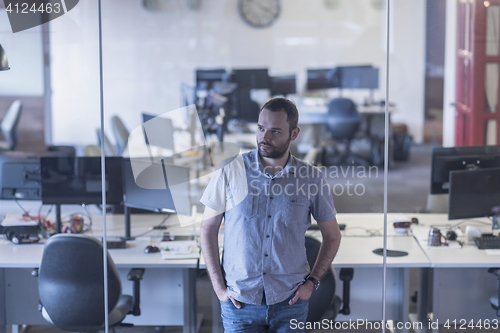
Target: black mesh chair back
343,119
322,299
9,126
70,283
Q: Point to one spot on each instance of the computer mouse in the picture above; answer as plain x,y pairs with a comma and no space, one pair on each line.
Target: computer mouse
151,249
451,235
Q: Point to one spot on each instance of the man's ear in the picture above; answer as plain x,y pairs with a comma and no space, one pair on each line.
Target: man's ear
295,133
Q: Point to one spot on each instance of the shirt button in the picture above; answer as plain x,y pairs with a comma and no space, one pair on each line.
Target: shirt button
266,255
271,198
267,236
269,216
264,273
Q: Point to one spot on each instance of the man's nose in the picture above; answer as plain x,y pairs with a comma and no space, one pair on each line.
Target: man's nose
266,135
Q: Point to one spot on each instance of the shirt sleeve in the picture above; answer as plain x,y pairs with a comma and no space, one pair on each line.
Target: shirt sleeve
214,196
323,208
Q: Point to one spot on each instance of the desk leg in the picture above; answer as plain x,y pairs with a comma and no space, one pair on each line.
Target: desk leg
189,282
424,291
3,306
405,297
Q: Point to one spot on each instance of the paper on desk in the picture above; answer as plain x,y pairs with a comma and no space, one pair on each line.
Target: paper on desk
179,250
16,219
493,252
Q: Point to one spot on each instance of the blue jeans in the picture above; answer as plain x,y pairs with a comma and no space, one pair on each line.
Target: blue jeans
263,318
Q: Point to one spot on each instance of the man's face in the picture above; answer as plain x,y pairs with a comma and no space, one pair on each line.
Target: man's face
273,134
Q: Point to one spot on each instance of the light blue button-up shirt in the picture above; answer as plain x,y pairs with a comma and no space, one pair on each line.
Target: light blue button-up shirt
264,232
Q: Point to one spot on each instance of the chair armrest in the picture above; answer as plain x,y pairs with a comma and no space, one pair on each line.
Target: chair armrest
135,275
495,271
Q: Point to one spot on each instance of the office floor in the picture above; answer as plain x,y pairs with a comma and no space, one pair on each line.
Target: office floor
407,192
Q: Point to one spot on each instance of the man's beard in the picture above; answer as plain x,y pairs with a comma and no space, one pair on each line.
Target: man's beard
274,152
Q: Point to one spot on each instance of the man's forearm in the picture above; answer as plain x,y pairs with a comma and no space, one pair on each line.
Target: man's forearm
329,246
325,257
210,248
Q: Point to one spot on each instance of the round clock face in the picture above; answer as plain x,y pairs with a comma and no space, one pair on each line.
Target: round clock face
259,13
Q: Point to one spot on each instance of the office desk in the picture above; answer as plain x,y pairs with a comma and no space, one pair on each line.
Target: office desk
367,284
459,286
366,287
168,293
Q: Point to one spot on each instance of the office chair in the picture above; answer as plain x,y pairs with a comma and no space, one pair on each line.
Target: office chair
70,285
109,150
494,299
323,302
120,133
343,121
9,126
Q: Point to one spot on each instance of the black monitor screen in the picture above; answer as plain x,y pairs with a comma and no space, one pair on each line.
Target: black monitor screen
77,180
150,189
251,78
322,78
445,160
205,78
358,77
473,193
283,85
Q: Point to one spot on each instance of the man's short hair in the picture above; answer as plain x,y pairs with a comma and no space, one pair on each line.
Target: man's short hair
279,104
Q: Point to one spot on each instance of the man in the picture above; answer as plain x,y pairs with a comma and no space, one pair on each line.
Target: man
265,280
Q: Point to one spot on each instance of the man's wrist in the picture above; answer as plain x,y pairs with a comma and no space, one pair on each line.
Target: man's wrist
315,282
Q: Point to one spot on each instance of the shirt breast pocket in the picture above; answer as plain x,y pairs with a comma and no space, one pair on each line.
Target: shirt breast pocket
252,203
296,209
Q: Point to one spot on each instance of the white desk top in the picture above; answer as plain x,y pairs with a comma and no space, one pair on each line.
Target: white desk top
30,255
466,256
355,250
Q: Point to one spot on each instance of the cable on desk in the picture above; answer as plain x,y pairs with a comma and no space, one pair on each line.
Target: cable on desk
25,212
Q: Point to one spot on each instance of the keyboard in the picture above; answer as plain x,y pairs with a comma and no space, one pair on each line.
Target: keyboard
486,243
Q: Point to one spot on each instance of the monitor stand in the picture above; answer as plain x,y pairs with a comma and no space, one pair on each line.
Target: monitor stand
126,213
58,219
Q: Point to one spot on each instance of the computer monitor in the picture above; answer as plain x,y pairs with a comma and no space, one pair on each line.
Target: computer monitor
255,78
445,160
205,78
323,78
20,174
77,180
151,190
283,85
358,77
473,193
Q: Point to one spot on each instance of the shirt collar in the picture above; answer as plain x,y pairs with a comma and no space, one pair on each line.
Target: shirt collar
289,167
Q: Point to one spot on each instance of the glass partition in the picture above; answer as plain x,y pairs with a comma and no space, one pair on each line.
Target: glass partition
183,85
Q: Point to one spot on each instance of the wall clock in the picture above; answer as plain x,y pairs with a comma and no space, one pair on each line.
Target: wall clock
259,13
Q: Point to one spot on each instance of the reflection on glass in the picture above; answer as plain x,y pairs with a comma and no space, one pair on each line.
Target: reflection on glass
491,132
465,81
491,87
492,29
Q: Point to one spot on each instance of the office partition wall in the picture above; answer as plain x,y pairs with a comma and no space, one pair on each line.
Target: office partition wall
151,52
